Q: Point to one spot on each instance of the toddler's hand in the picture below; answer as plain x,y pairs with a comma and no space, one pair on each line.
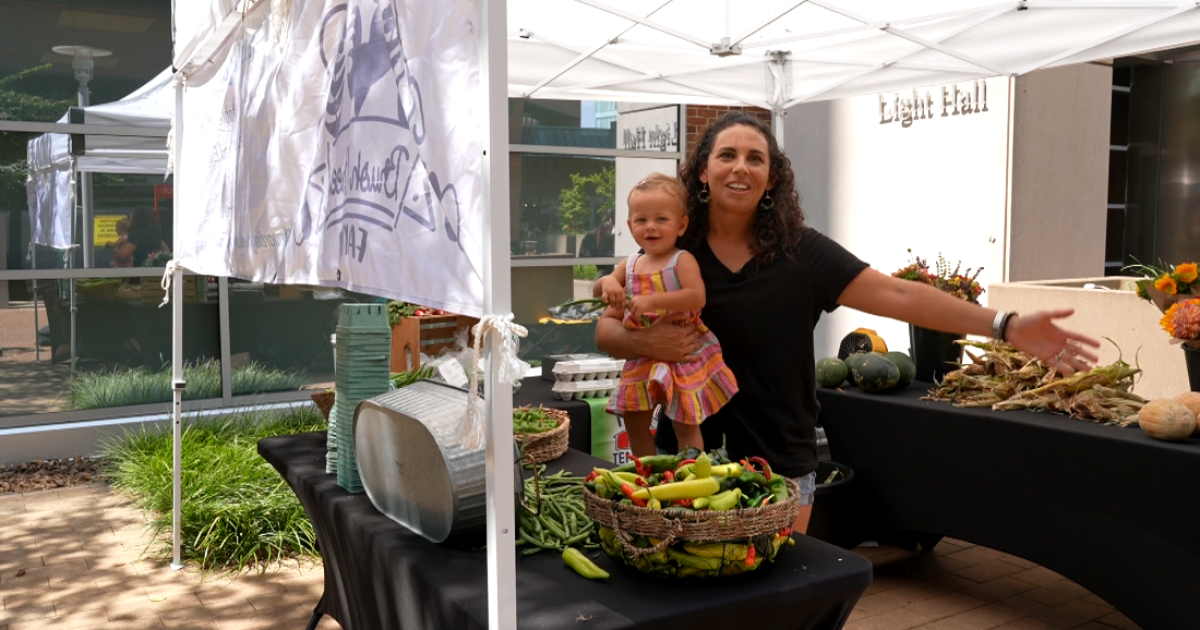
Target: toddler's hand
612,292
640,306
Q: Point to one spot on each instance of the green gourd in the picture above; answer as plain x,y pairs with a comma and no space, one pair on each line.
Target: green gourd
832,372
875,373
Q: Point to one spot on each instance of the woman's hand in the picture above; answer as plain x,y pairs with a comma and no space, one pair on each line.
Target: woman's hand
1062,350
612,292
667,339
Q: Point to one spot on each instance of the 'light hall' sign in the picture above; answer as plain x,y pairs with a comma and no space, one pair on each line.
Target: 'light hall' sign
954,100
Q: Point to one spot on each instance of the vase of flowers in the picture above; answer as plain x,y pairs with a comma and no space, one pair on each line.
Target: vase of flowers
935,352
1182,321
1176,293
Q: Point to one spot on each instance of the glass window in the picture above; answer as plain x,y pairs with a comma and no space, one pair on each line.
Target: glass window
588,124
559,199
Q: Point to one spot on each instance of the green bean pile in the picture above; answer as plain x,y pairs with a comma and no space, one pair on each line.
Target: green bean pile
552,515
532,421
403,379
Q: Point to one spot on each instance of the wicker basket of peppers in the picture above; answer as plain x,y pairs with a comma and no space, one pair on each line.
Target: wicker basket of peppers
701,516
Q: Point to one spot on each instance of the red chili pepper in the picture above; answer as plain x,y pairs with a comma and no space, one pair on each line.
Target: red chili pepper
786,531
765,500
765,466
641,469
749,555
628,490
685,463
641,481
591,477
683,503
748,466
669,476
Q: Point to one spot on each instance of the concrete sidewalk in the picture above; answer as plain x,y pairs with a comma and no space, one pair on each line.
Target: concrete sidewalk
72,558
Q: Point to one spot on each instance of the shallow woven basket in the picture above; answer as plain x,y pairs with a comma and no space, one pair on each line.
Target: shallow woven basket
324,401
552,444
699,526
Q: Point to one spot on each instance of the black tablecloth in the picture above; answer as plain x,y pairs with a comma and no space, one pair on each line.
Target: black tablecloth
536,390
1108,507
380,575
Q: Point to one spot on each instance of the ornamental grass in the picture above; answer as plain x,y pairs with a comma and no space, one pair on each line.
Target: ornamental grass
238,512
140,386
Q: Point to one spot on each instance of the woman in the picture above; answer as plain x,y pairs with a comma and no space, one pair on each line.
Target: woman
145,238
768,277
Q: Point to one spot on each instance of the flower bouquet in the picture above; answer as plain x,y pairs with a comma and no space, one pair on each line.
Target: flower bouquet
957,282
1181,320
1166,286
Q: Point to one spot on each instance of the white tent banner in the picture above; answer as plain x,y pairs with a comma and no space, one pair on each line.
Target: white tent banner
348,155
50,189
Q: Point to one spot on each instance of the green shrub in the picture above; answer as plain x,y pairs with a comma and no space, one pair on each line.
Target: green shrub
237,511
585,272
140,386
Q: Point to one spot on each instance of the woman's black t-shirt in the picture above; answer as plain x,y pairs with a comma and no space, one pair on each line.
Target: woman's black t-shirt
764,317
146,240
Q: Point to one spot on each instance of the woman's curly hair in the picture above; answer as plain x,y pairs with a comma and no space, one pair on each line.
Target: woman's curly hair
777,230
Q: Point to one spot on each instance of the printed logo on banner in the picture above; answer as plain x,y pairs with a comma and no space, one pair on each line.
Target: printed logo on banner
370,178
620,451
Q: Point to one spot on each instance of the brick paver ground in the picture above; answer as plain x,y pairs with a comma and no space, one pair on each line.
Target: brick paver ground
73,559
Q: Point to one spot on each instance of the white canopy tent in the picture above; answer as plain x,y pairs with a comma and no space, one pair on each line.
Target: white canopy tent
771,54
55,158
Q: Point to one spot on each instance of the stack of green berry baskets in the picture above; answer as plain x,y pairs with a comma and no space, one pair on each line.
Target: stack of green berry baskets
666,537
541,434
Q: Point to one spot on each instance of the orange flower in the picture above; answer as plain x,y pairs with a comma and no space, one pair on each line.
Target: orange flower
1186,272
1166,284
1168,319
1186,321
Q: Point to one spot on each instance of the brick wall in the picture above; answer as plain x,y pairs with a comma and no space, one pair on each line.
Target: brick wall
699,117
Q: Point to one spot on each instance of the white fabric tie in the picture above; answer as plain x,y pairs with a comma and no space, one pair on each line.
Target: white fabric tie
509,371
172,266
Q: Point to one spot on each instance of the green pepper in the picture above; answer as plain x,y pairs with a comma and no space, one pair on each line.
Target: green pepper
725,501
779,489
654,463
582,564
747,477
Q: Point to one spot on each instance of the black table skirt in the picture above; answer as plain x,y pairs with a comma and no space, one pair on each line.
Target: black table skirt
379,575
1108,507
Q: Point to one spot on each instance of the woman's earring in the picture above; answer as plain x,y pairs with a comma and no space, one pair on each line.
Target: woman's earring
703,194
767,202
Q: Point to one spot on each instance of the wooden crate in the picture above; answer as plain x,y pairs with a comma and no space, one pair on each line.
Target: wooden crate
152,291
429,334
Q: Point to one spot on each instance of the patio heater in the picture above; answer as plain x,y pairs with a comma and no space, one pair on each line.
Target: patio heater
83,63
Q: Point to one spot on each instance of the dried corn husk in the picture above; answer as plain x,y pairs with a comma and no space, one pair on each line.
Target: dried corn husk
1004,378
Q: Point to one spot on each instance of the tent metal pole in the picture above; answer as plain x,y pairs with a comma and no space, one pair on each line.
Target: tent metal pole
177,382
89,226
497,300
74,308
37,345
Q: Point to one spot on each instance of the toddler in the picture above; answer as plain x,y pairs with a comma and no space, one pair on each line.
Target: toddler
661,279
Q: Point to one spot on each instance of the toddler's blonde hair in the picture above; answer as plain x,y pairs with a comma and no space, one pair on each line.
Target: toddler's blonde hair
661,181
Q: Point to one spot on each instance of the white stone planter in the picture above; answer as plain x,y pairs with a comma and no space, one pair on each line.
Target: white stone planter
1112,309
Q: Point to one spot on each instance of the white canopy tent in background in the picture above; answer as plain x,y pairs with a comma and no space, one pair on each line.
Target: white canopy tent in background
767,53
54,158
